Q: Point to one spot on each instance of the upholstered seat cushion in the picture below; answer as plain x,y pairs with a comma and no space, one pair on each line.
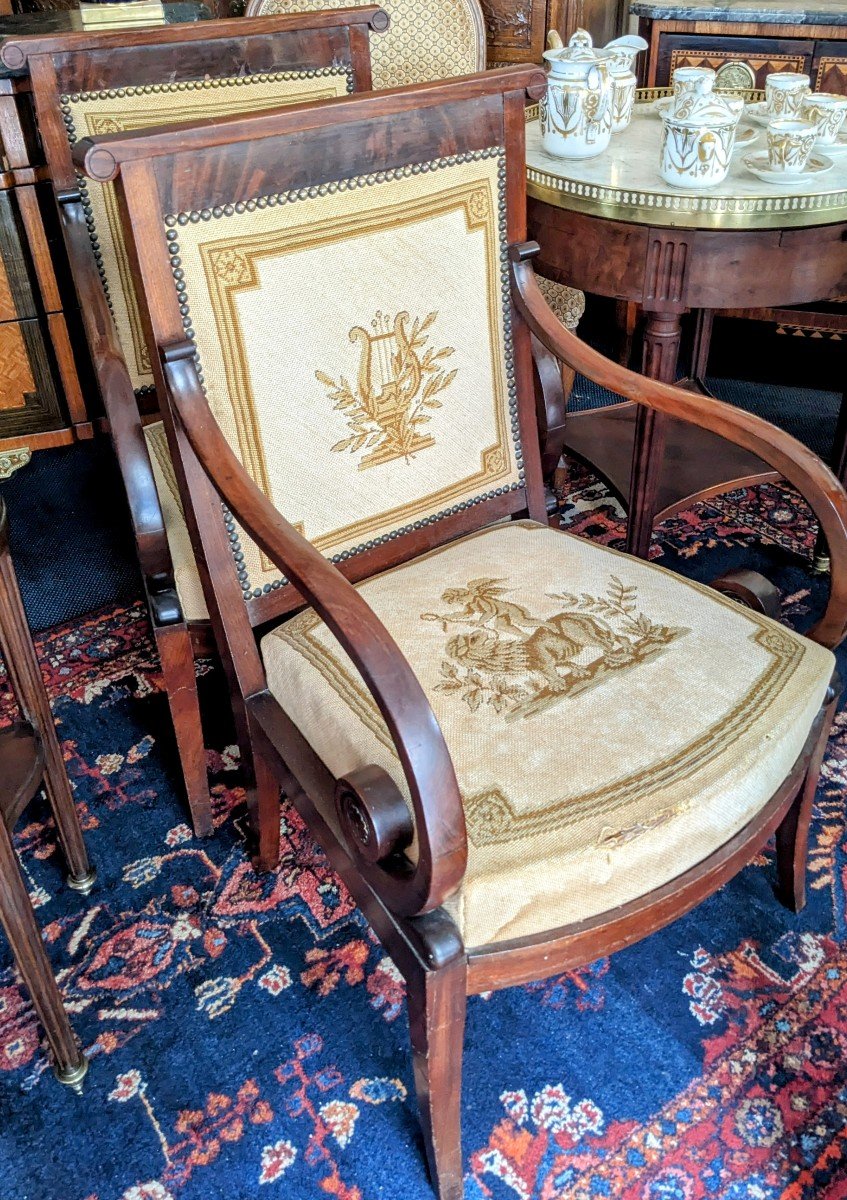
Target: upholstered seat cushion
611,724
186,576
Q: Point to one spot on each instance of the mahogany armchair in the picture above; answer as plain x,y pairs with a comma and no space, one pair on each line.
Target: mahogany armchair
89,83
520,750
31,758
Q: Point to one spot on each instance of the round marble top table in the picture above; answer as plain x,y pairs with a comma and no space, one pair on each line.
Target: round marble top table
610,225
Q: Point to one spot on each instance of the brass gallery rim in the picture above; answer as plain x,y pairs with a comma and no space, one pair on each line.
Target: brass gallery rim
646,206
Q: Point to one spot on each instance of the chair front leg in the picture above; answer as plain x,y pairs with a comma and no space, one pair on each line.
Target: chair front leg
177,658
792,836
437,1001
17,919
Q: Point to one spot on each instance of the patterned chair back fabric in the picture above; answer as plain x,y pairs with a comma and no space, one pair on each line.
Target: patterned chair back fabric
89,114
426,40
355,347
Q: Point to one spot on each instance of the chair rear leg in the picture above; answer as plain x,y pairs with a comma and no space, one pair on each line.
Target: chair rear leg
263,793
792,836
437,1001
177,657
18,920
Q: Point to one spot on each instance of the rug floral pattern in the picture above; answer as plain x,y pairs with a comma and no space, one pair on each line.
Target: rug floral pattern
248,1037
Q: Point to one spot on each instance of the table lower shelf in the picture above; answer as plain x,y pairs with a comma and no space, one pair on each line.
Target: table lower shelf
696,464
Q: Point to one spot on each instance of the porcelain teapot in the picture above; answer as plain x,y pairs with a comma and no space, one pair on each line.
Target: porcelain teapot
621,57
576,111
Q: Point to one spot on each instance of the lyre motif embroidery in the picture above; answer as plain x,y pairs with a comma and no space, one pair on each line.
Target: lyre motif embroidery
395,391
521,664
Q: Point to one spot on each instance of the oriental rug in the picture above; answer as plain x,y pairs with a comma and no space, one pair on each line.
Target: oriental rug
247,1035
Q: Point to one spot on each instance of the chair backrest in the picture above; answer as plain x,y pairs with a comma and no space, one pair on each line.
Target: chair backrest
342,272
87,84
426,40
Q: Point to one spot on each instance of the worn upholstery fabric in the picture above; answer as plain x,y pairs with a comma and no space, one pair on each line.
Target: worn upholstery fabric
355,348
87,114
566,302
186,576
611,724
426,39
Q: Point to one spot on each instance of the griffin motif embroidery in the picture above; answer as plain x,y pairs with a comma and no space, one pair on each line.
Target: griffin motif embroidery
521,664
395,392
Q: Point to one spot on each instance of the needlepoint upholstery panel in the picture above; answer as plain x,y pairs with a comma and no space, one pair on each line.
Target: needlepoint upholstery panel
354,343
89,114
425,40
189,589
611,724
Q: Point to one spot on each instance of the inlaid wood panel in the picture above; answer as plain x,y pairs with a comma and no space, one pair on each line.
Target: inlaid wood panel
831,69
28,397
762,60
17,295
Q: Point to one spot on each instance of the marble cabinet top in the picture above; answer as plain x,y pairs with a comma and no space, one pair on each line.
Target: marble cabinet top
775,12
624,184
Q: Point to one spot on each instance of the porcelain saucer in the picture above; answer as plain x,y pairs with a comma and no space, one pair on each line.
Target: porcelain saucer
818,164
839,146
744,135
759,112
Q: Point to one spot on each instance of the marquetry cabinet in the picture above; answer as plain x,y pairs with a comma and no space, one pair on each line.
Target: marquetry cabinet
744,52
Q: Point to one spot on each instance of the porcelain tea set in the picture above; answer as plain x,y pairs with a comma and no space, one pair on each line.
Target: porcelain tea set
591,94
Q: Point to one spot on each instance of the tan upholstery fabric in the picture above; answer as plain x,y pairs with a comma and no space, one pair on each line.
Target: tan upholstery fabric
426,40
354,349
566,302
88,114
186,577
611,724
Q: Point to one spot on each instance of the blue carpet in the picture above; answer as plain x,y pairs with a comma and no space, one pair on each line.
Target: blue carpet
248,1037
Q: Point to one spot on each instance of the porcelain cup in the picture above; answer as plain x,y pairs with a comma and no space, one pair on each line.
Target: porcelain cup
827,110
790,142
785,92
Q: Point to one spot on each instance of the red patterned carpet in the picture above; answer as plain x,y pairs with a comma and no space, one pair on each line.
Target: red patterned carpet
248,1038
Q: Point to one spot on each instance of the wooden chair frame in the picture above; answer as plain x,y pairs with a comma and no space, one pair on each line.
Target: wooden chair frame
361,820
91,61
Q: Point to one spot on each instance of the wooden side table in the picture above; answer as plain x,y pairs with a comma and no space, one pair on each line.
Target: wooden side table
610,225
31,757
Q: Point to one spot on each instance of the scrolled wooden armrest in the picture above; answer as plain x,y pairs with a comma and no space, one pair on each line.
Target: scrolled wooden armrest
799,465
117,393
367,799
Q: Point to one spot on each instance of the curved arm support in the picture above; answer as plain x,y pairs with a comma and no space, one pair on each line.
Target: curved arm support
118,397
799,465
406,888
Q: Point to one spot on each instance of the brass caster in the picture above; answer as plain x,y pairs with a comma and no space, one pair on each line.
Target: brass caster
82,883
820,564
72,1077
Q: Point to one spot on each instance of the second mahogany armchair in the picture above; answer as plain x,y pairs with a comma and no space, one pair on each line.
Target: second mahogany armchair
92,83
521,750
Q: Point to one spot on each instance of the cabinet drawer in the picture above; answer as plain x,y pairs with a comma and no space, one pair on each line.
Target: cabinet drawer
762,55
29,398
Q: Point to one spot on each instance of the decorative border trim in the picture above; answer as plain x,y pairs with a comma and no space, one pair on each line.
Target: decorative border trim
172,220
701,212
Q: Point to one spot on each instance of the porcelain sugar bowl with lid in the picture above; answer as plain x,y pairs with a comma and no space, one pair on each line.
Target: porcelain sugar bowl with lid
698,138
